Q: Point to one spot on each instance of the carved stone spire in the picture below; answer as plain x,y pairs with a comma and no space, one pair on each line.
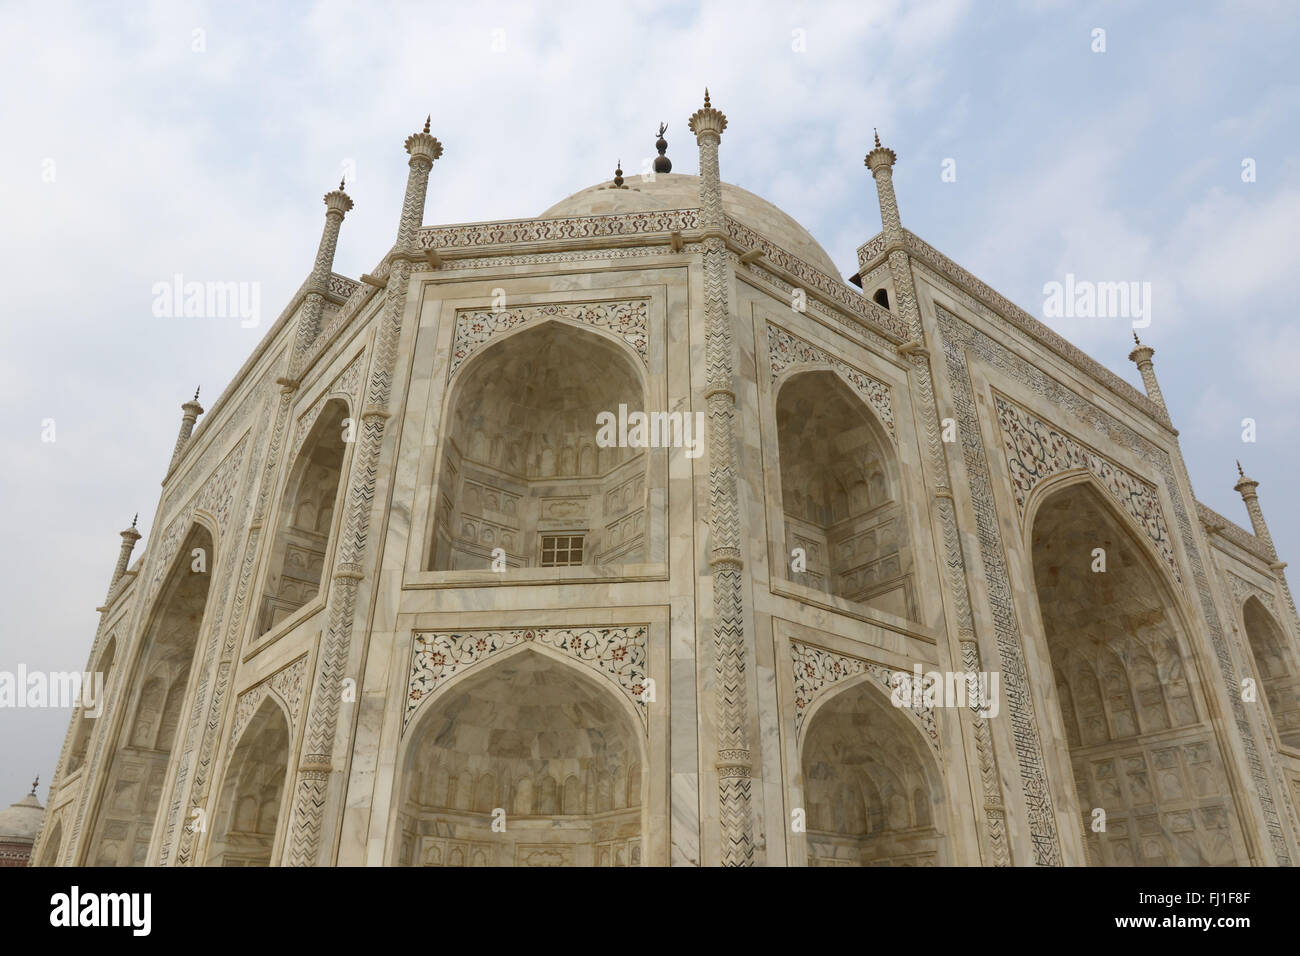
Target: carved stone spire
662,163
129,537
337,204
731,683
881,163
1141,355
1246,488
191,411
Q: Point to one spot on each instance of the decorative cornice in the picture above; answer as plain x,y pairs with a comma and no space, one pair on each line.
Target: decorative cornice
1216,523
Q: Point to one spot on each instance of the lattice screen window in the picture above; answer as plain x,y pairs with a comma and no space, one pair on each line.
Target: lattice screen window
561,550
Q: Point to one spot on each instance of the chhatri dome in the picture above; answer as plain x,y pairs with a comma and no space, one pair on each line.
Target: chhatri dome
682,191
19,825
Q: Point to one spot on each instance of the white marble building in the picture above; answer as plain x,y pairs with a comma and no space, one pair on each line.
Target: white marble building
402,607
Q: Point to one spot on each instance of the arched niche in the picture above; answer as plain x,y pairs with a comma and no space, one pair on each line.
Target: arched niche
137,765
521,468
86,723
872,791
532,742
249,803
1139,745
305,519
840,496
1276,670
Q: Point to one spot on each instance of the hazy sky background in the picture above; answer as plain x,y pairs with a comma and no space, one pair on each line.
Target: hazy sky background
1115,166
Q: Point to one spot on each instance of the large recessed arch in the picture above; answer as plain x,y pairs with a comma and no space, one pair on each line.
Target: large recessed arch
841,495
152,702
1140,745
872,790
531,740
250,802
306,519
1275,665
520,468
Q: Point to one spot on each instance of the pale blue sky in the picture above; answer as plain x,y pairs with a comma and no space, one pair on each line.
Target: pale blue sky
1123,165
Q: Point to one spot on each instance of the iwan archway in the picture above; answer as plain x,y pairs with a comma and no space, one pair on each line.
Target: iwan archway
525,760
1147,766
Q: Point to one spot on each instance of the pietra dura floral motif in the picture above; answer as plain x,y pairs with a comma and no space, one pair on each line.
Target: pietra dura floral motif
1036,451
619,652
816,670
627,320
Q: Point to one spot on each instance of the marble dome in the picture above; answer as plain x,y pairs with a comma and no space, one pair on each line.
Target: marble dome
682,191
22,820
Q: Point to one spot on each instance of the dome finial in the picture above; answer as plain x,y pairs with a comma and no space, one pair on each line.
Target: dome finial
135,518
1136,340
618,175
342,182
706,97
877,132
35,782
662,163
426,122
1239,471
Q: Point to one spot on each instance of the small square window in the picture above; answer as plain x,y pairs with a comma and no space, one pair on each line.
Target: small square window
561,550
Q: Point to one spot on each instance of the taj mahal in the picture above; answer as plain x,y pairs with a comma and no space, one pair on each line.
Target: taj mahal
421,590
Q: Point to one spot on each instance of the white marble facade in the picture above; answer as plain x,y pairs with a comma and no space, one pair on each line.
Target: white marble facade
439,624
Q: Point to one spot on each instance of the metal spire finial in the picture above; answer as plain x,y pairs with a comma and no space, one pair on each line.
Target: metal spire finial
877,132
1136,340
662,163
341,182
618,175
1239,471
35,781
426,122
706,97
196,394
135,518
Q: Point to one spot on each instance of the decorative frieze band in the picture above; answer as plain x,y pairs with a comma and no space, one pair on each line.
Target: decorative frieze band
628,320
1036,451
548,230
785,349
619,653
817,670
286,684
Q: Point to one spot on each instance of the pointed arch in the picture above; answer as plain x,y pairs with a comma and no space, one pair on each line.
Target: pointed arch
512,728
519,468
1276,668
250,801
841,494
124,815
1116,637
871,785
305,519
